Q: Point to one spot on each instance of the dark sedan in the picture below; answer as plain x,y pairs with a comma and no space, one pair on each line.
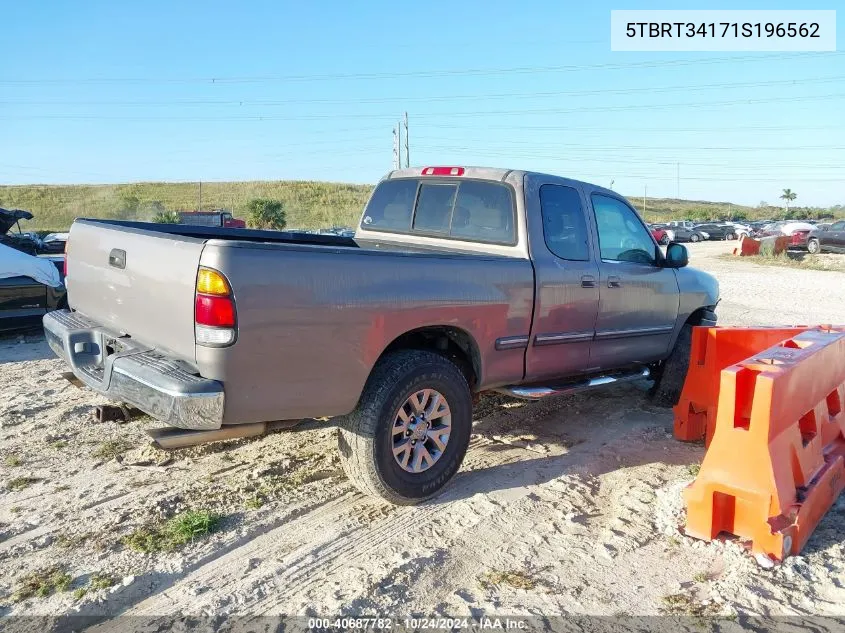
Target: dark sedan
828,240
682,234
717,231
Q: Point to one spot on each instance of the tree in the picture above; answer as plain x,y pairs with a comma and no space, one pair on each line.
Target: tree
788,196
264,213
167,217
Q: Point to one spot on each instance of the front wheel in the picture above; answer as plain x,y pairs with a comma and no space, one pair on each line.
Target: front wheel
814,247
665,240
694,238
409,434
672,373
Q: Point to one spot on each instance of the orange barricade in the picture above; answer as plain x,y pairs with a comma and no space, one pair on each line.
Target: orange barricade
747,246
713,349
773,245
777,460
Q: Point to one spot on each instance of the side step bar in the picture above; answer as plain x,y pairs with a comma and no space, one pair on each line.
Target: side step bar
539,392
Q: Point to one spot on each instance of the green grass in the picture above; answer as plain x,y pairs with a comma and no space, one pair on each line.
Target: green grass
174,533
58,444
42,583
308,204
694,469
12,461
19,483
111,448
100,581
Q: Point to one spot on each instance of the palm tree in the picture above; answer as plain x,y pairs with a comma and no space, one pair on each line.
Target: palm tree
788,196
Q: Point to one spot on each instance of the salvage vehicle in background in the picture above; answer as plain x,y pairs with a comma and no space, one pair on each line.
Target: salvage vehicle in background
827,240
219,218
30,287
798,232
459,280
24,242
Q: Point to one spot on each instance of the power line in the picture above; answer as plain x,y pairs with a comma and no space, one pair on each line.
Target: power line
438,115
780,83
421,73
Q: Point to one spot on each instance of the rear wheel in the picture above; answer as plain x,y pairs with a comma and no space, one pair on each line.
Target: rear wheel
814,246
665,240
694,238
410,432
671,374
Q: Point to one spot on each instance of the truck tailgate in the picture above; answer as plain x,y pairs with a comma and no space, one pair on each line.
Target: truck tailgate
136,282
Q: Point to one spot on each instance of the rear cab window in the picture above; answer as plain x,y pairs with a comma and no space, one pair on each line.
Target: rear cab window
470,210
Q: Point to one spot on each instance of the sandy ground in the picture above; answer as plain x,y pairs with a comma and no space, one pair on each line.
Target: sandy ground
570,506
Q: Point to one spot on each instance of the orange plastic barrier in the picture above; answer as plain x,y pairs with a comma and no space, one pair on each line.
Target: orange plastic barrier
713,349
747,246
777,460
774,245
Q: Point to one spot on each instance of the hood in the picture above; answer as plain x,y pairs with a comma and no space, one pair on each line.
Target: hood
8,219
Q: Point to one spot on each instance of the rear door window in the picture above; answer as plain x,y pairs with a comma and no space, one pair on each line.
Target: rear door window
484,212
564,227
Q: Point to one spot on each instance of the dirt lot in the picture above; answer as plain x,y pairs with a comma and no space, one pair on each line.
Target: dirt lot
564,507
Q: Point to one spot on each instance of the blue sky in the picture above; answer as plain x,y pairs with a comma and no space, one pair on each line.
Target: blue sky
120,92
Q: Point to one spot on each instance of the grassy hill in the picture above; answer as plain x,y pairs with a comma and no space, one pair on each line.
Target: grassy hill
308,204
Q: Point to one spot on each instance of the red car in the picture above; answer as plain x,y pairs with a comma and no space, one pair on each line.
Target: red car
660,235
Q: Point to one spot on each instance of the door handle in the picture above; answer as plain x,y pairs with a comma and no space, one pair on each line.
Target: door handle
588,281
613,281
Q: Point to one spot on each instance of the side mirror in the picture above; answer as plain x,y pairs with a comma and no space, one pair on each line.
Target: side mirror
676,255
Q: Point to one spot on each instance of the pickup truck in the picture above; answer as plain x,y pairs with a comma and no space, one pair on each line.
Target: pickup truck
459,280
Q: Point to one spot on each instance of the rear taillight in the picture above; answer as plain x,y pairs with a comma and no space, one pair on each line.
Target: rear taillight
443,171
214,309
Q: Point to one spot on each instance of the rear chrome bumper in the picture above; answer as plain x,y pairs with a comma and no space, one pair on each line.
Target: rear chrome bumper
124,371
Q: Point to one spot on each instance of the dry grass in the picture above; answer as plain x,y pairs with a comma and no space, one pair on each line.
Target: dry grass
513,578
42,583
795,259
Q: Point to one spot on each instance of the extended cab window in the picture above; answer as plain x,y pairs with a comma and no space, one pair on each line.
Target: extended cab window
622,236
564,227
470,210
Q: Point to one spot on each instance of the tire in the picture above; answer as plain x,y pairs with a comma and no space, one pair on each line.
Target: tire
730,236
665,240
672,373
814,247
694,238
366,440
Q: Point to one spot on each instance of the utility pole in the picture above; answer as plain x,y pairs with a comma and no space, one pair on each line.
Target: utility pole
200,207
611,184
407,151
396,164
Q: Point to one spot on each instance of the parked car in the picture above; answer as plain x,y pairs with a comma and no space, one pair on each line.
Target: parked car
740,230
459,280
687,224
30,287
24,242
211,218
679,233
716,231
661,234
798,232
827,240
